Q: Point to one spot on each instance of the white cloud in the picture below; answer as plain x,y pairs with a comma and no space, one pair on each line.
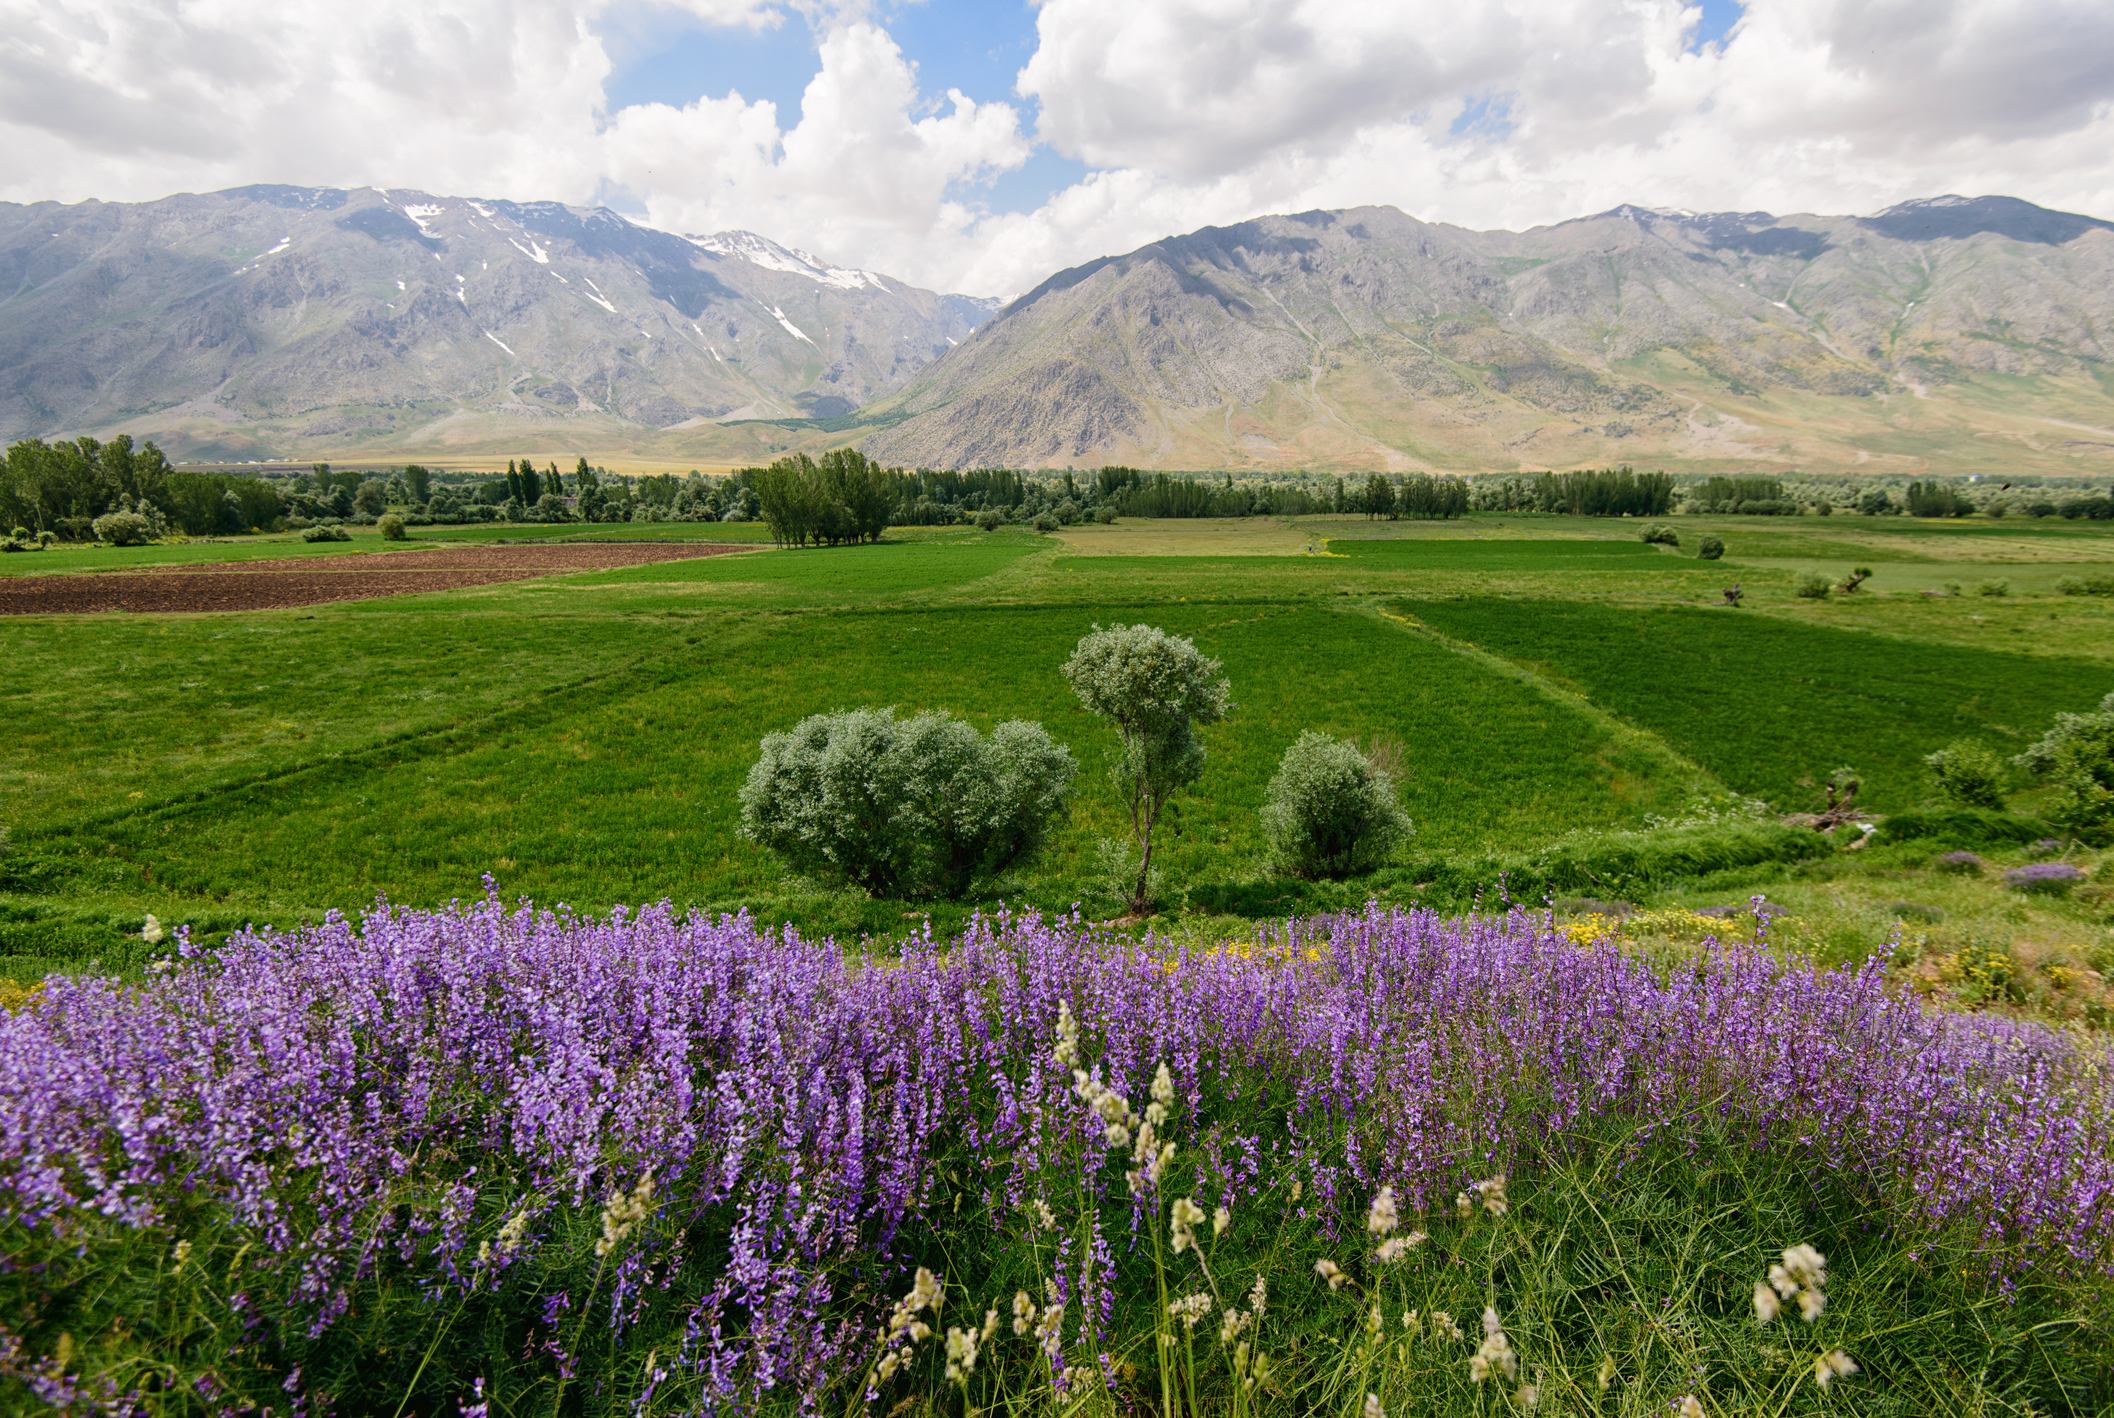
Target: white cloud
1192,112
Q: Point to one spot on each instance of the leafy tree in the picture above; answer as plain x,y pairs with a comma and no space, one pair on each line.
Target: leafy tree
1710,547
391,527
1331,810
2076,756
1378,499
1969,774
321,471
1155,689
915,807
531,484
370,497
419,480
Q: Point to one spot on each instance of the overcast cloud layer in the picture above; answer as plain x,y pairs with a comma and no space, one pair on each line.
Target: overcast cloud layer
1188,112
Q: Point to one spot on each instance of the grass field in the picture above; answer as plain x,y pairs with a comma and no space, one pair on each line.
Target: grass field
580,736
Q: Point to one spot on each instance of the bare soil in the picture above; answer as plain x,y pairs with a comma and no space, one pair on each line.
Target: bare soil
308,581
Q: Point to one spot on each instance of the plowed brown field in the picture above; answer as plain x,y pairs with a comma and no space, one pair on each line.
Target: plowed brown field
305,581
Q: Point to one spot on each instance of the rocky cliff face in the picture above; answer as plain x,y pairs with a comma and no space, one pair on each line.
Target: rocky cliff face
276,319
1960,331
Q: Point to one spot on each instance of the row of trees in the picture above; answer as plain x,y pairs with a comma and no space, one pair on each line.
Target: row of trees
926,806
63,487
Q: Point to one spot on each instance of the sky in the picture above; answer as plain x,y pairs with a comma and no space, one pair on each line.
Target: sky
979,147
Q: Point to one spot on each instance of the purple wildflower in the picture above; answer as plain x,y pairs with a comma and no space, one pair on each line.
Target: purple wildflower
2044,878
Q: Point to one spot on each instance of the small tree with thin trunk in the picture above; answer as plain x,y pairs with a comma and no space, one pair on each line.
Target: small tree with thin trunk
1156,689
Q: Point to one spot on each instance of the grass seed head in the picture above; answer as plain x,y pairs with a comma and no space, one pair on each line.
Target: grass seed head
1186,1215
1373,1408
1381,1217
1691,1407
1766,1302
1831,1366
1328,1270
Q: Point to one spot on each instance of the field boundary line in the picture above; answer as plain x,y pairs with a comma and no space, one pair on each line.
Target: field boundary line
1702,782
619,679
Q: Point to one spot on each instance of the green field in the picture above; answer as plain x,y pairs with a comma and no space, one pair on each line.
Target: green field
1770,706
580,737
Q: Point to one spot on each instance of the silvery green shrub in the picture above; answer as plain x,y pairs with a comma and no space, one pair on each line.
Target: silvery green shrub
1155,689
1330,811
1969,774
1811,585
2076,756
916,807
1711,547
123,529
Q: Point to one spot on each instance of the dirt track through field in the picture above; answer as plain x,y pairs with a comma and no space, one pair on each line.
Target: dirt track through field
307,581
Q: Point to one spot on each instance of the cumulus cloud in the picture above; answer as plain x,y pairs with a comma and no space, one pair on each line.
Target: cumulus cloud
1187,112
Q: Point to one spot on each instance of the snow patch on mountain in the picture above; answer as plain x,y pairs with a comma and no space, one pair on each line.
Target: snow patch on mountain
762,251
421,213
790,328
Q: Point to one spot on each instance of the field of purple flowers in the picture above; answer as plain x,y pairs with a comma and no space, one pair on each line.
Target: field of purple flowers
495,1160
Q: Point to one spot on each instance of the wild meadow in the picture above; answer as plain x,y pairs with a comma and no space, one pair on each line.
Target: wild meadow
398,1021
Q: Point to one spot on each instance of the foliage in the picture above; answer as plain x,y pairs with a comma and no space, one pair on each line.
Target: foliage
1155,689
1711,547
1958,863
1607,492
1332,811
913,808
124,529
1977,826
326,534
1811,586
390,526
843,498
1742,497
2086,585
45,487
1970,774
1659,534
1996,586
1935,499
2076,758
578,1129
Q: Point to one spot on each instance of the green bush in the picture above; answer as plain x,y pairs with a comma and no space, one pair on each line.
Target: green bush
1811,586
916,807
1997,587
326,534
1331,810
1046,522
123,529
1662,535
1969,774
391,527
1105,515
1711,547
1960,827
1621,864
2086,585
2076,757
989,520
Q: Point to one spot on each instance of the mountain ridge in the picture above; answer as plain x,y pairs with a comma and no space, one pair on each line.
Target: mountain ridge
1951,332
1951,329
309,316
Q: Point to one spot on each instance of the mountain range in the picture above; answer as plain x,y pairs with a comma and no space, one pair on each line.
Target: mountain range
1952,334
275,320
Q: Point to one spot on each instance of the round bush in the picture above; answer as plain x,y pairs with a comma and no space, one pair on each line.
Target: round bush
1811,586
916,807
1969,774
123,529
2044,878
1710,548
1330,811
1662,535
1045,522
1959,863
391,527
326,534
989,520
